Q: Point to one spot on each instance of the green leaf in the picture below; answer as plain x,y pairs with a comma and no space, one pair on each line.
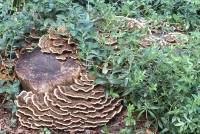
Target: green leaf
100,81
113,94
105,68
179,124
121,59
152,114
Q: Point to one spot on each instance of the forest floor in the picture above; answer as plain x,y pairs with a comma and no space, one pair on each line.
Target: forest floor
114,125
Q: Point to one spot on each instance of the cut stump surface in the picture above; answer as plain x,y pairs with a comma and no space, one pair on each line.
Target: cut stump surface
40,71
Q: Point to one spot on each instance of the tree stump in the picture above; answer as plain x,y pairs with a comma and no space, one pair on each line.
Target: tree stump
58,91
38,71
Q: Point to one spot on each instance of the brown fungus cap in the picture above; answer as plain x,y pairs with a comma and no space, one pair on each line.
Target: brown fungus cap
68,108
58,42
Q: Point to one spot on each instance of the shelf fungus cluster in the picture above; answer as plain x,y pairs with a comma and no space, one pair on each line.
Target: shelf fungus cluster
59,43
59,93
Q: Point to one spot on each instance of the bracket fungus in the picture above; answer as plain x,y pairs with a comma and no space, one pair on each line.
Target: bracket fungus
58,92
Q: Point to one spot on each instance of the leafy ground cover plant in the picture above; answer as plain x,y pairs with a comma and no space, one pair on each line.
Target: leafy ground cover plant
8,91
160,81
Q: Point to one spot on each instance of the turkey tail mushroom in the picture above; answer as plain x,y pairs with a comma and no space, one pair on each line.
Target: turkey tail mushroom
59,43
67,108
58,91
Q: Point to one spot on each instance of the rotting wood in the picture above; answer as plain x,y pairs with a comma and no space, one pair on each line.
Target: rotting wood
58,92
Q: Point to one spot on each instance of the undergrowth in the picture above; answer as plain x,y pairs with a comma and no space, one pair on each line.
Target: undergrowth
159,83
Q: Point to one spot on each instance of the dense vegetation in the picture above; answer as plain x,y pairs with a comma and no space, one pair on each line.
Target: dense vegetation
160,83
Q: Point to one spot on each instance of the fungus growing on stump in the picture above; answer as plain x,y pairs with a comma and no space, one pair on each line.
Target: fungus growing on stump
58,92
